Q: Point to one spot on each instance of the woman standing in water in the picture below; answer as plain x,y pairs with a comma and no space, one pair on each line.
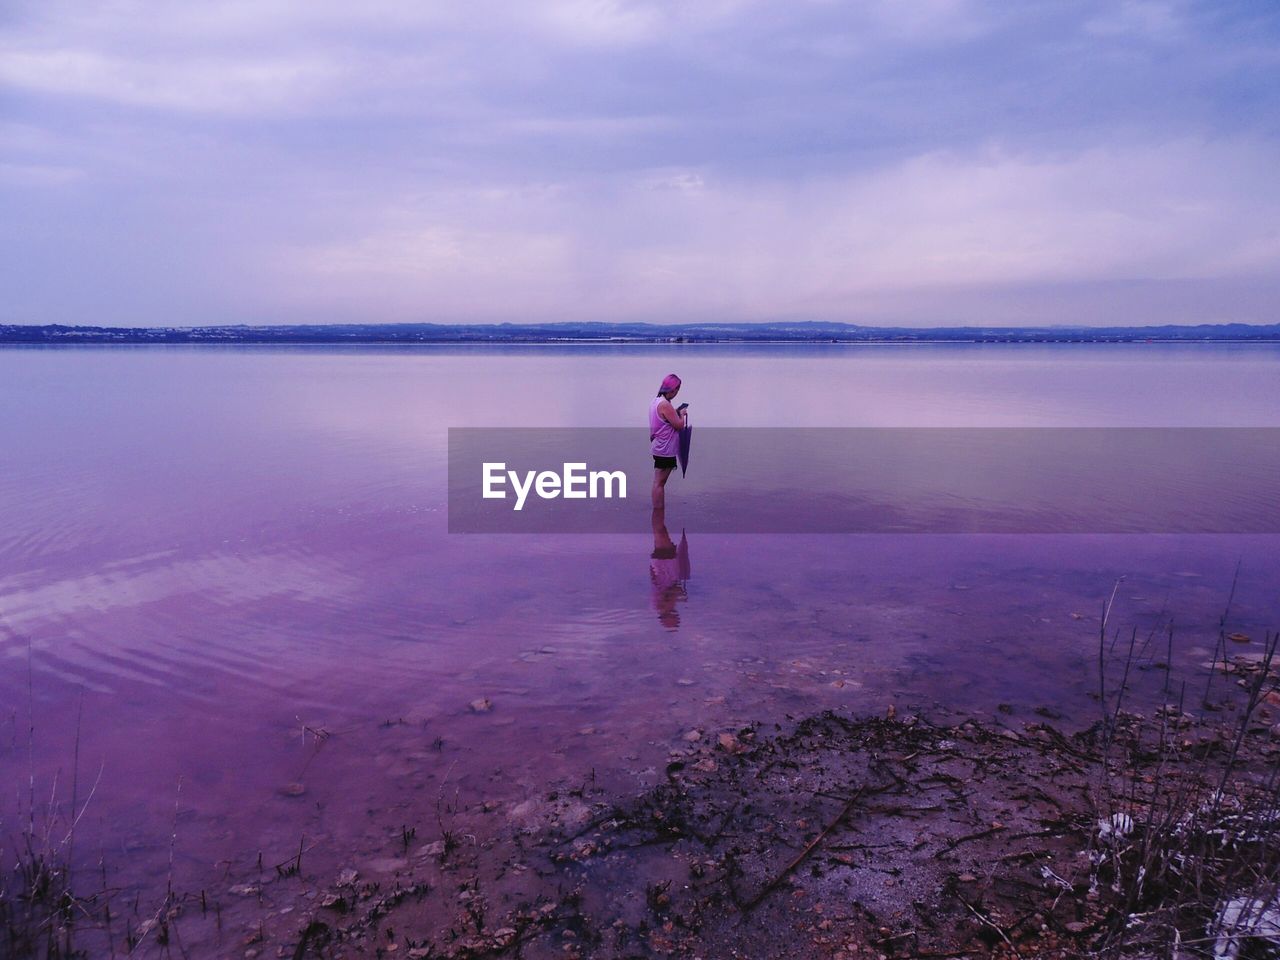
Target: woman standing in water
665,424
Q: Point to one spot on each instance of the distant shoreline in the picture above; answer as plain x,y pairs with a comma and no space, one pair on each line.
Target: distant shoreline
628,334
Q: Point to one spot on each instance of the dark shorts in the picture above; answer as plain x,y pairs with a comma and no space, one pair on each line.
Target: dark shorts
664,463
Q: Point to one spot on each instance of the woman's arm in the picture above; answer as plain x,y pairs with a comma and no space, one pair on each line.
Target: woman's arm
669,413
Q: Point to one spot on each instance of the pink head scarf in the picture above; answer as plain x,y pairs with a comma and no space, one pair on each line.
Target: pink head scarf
669,383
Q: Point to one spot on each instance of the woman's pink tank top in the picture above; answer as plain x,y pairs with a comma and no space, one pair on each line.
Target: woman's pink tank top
665,438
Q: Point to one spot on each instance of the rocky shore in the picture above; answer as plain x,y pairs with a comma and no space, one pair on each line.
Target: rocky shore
1148,834
845,837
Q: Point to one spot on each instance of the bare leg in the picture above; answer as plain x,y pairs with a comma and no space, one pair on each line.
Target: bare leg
660,475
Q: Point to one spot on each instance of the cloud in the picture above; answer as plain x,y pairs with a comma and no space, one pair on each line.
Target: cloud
38,175
686,244
267,57
275,159
1147,19
449,256
603,22
190,85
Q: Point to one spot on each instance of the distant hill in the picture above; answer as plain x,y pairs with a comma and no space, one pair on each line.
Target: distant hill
805,332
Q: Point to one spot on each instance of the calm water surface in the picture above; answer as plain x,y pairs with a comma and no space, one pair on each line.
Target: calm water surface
207,554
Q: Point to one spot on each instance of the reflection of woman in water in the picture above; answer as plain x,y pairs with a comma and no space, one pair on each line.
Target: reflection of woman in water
665,424
668,571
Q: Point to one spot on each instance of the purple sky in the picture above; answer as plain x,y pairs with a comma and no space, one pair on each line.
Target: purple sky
916,162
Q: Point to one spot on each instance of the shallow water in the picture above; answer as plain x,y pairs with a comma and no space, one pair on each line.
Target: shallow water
209,554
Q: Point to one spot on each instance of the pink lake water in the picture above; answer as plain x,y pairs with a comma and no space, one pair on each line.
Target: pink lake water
208,554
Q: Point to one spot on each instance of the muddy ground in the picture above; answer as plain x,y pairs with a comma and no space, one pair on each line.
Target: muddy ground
836,836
